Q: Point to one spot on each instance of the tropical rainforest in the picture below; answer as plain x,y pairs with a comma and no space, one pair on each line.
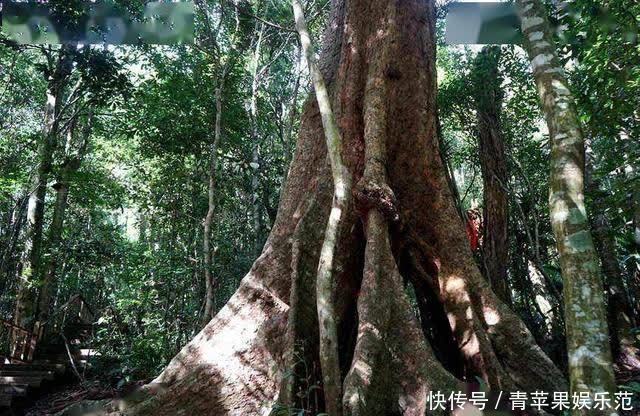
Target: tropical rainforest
320,207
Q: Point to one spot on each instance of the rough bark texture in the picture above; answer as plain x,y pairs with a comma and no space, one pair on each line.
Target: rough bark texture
590,366
488,100
379,62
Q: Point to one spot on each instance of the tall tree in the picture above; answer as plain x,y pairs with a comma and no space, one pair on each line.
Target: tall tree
256,75
342,183
590,363
74,151
223,56
78,78
57,73
488,100
379,65
207,250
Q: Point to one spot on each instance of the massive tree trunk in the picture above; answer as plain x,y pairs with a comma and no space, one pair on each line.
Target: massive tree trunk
379,63
76,147
590,365
26,298
488,101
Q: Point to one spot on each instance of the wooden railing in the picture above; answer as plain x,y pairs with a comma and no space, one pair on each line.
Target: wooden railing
75,311
19,344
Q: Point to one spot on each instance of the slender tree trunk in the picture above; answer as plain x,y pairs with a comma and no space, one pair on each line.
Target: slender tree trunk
378,63
255,140
287,141
207,250
590,364
528,290
26,298
488,100
534,256
636,210
76,148
293,113
325,283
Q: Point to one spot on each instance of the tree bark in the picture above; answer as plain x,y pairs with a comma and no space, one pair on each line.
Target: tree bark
488,100
590,364
378,63
26,297
342,181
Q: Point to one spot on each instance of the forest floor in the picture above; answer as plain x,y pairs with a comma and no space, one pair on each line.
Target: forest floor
68,395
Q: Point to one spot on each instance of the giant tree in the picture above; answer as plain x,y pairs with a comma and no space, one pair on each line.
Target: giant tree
379,63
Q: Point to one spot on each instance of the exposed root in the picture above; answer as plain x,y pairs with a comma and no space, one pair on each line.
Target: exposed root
393,367
302,326
456,294
627,363
496,344
435,324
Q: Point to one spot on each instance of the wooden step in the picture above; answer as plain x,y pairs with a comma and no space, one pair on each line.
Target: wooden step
46,375
57,367
14,389
21,380
52,360
62,358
